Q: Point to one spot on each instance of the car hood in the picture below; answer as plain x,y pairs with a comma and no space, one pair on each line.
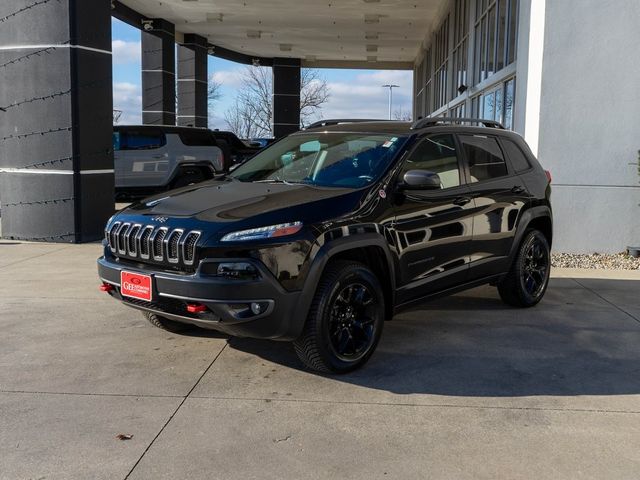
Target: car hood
250,203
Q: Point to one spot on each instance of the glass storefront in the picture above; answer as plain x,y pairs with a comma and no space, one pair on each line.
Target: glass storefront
475,42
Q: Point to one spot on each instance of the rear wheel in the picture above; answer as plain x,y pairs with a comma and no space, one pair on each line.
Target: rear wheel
345,320
164,323
527,280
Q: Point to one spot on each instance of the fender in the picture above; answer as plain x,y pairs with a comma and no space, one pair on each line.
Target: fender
329,250
525,219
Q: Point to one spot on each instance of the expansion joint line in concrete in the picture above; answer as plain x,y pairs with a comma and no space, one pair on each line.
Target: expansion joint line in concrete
609,302
184,399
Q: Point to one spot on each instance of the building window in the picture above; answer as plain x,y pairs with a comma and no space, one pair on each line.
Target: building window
441,61
496,103
460,47
495,36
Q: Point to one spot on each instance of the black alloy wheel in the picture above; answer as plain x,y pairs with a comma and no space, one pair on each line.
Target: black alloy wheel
526,282
345,320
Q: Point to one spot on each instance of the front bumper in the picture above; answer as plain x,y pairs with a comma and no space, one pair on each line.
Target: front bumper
228,301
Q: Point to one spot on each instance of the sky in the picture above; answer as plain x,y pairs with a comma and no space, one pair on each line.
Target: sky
352,93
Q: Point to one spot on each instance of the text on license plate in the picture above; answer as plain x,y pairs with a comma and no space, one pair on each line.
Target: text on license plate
135,285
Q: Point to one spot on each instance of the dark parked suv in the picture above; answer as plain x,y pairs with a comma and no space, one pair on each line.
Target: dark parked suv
329,232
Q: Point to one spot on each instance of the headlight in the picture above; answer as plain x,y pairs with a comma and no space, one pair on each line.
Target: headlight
271,231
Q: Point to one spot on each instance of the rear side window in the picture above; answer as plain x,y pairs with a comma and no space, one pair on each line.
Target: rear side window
518,159
484,157
197,139
143,140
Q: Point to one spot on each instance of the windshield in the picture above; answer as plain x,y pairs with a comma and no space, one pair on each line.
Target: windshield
350,160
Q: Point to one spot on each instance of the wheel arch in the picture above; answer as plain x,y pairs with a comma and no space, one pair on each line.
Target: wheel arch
540,218
370,249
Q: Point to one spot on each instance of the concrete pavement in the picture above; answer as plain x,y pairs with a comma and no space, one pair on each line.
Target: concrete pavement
462,388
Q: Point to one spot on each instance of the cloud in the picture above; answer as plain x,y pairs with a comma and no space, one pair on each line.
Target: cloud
365,97
127,97
229,78
125,52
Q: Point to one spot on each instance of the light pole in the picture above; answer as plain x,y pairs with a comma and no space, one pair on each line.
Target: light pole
390,87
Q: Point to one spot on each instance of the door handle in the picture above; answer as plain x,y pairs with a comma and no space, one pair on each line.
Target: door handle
461,201
517,189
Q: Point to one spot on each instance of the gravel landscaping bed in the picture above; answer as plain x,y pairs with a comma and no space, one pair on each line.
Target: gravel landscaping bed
615,261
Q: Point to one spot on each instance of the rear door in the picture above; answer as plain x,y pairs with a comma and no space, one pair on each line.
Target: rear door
499,195
433,228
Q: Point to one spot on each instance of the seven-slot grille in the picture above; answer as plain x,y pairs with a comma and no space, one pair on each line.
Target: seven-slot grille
156,243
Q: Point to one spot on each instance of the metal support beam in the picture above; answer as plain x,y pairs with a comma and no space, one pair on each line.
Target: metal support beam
158,73
192,82
56,163
286,96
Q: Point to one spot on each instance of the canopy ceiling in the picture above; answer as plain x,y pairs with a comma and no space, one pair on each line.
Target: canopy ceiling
325,33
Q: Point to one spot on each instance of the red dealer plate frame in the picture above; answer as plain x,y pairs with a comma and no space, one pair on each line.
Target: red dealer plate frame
136,285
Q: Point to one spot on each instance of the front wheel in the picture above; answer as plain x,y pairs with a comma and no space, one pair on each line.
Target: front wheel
345,320
527,280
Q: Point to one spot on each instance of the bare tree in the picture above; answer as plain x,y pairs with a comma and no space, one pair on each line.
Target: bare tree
251,114
402,115
214,92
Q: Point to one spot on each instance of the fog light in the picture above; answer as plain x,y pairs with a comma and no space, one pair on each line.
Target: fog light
256,308
240,270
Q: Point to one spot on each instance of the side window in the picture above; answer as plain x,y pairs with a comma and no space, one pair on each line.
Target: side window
141,140
518,159
116,141
484,157
197,139
437,154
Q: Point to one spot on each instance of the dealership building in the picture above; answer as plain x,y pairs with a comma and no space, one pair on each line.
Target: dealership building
562,73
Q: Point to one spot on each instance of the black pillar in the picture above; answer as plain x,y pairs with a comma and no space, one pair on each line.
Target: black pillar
192,82
286,96
158,73
56,114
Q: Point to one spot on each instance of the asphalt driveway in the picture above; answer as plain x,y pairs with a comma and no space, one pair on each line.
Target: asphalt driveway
463,388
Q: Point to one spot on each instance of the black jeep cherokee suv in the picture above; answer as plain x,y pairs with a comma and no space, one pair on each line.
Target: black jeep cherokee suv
330,231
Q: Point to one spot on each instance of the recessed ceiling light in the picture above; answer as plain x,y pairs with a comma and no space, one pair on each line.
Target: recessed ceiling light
285,47
372,58
310,58
214,17
371,35
372,48
371,1
254,33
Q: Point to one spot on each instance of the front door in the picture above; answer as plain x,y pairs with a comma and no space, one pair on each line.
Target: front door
433,228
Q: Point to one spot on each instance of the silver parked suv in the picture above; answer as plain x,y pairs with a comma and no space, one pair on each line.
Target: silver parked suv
151,158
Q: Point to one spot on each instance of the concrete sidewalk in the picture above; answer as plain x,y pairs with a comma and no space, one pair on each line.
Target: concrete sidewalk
463,388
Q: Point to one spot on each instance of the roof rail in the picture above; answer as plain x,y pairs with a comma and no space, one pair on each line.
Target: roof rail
337,121
432,122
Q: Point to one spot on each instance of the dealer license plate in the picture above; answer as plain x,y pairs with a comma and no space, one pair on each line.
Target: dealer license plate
135,285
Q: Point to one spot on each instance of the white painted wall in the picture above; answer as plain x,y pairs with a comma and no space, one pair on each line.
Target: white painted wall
589,129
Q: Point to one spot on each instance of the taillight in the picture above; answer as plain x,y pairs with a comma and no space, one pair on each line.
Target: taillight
548,174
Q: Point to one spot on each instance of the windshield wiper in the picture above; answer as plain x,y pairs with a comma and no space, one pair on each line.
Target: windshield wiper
279,180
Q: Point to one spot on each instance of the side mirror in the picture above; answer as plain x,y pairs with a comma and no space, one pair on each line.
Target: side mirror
420,180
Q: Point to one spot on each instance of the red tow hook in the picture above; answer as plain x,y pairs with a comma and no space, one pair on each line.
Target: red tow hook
106,287
196,308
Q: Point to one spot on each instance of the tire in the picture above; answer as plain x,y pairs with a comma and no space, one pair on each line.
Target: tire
188,176
345,320
527,280
164,323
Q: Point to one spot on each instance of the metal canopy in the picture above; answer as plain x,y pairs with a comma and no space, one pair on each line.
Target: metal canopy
326,33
